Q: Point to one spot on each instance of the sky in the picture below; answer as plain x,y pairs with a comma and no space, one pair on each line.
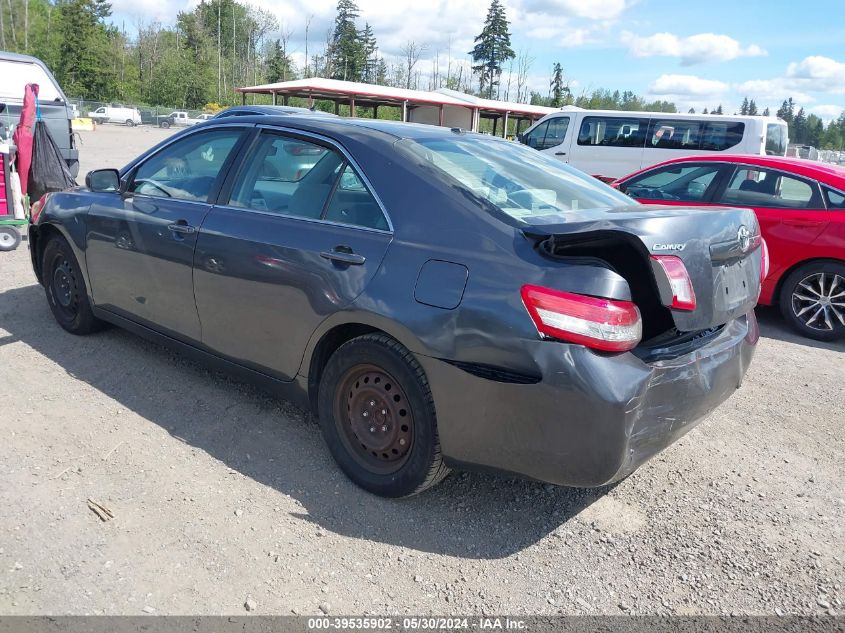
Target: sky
697,54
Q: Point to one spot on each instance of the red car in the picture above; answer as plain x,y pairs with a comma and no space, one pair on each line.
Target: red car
801,208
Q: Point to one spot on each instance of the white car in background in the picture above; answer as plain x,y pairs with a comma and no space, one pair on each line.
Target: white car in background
116,114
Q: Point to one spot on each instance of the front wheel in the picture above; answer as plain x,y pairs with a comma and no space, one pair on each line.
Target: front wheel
65,288
130,123
10,239
164,124
377,416
812,300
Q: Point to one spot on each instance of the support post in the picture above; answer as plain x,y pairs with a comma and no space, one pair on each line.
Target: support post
495,124
310,99
352,106
404,111
243,98
337,107
505,126
285,99
375,111
275,95
440,114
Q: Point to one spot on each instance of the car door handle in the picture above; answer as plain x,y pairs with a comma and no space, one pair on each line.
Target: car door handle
182,227
560,153
343,255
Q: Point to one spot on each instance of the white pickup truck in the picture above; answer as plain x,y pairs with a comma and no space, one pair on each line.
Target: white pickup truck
177,117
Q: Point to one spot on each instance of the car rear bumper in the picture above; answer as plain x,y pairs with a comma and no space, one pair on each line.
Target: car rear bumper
592,418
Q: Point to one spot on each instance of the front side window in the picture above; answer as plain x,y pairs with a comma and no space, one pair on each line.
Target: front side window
755,187
507,178
776,139
535,137
188,168
293,177
555,133
688,182
613,131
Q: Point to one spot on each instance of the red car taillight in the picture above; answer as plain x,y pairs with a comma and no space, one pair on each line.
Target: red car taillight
683,294
603,324
36,208
764,260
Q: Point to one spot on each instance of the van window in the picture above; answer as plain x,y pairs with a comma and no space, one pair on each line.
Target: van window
776,139
613,131
721,135
556,132
17,74
535,137
675,134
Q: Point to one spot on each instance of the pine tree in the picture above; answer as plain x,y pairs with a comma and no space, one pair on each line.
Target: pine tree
346,48
766,112
84,64
691,111
744,108
752,108
718,110
705,111
787,110
369,54
798,128
492,48
557,88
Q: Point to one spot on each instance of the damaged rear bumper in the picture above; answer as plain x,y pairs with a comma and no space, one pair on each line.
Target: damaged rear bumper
592,418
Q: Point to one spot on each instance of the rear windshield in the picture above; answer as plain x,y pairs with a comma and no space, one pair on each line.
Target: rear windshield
776,139
17,74
518,181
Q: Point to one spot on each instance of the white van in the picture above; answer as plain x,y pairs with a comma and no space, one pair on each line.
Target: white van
609,144
116,114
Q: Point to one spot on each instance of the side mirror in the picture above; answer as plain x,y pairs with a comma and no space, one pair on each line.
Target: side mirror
521,138
103,180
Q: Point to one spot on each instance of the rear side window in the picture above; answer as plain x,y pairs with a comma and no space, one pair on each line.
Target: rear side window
613,131
675,134
17,74
756,187
293,177
687,182
835,199
721,135
776,139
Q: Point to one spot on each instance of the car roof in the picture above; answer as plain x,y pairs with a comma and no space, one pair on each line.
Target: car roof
269,110
343,126
800,166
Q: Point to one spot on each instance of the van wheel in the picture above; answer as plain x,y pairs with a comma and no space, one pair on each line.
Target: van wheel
377,416
130,123
65,288
812,300
164,124
10,239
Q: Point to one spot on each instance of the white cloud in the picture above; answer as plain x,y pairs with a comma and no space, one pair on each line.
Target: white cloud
686,86
827,112
588,9
817,73
695,49
773,90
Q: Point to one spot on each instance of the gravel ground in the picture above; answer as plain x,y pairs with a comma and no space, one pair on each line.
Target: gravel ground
222,495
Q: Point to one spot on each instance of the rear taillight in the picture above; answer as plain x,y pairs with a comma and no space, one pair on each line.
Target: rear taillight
683,294
603,324
764,260
37,208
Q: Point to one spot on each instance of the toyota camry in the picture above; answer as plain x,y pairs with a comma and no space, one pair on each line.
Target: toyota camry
439,299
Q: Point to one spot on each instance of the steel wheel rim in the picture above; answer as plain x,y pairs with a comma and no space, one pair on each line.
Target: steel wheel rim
374,418
818,301
6,239
64,289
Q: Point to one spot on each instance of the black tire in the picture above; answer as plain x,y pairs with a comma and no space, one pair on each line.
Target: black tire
809,301
164,124
420,465
65,288
130,123
10,238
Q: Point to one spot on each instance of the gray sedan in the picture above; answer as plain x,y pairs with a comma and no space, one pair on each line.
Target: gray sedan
439,299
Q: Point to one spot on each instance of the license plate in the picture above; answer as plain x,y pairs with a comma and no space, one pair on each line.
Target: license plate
734,285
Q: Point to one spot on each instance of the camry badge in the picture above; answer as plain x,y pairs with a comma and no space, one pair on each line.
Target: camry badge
744,238
669,247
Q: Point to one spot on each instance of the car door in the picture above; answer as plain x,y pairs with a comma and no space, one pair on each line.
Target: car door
609,146
790,210
299,238
141,241
556,138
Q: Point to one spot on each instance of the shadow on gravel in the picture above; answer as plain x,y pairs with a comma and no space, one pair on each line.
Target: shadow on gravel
276,444
773,326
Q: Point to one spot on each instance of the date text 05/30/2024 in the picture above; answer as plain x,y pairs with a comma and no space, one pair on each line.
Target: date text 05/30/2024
416,623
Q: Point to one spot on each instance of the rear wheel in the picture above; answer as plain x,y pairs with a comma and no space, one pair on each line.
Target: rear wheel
164,124
130,123
65,288
10,238
812,300
377,417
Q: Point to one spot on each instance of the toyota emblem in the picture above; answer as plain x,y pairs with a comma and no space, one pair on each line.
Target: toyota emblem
744,238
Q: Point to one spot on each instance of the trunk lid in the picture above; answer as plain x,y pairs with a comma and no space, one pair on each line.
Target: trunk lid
718,246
